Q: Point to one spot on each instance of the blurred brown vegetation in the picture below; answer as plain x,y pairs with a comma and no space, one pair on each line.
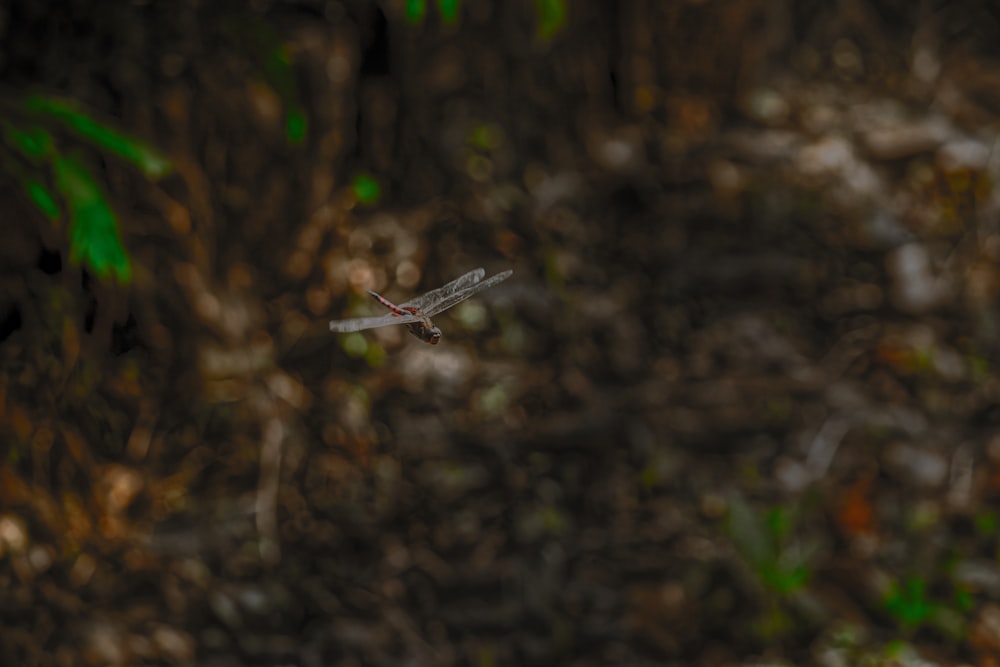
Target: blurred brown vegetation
737,405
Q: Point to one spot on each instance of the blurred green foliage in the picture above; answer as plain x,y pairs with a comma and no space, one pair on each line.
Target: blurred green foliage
366,189
274,63
66,113
54,180
979,367
94,236
486,137
416,11
33,143
449,10
908,603
912,608
964,601
550,15
40,197
765,543
280,76
986,523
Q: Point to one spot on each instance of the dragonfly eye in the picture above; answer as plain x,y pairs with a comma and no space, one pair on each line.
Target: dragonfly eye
434,336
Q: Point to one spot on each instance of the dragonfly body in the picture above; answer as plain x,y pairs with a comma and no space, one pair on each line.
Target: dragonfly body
416,313
423,329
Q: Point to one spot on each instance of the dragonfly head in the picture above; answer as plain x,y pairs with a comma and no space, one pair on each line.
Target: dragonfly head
428,334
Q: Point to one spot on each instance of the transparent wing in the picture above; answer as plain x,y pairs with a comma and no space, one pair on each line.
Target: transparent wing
362,323
426,302
471,290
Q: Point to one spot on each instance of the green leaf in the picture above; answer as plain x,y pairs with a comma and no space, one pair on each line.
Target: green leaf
152,163
366,189
551,17
40,196
33,143
416,10
33,184
449,10
94,235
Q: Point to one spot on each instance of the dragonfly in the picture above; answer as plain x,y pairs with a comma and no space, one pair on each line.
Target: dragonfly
416,313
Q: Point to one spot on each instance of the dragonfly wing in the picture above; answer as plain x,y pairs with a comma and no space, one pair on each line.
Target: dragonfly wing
427,301
471,290
362,323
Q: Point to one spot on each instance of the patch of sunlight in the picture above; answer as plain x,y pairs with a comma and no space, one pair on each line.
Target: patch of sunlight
472,315
494,400
358,346
359,399
355,344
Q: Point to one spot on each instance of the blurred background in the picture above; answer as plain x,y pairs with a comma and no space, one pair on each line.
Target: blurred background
737,405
